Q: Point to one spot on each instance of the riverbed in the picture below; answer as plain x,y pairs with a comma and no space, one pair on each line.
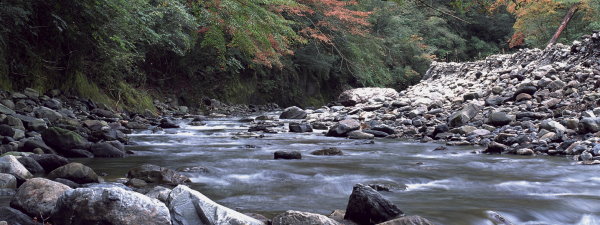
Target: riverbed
454,186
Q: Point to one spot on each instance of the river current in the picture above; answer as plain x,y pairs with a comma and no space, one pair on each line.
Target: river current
454,186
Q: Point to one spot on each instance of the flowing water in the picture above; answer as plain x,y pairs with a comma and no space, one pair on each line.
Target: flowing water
453,186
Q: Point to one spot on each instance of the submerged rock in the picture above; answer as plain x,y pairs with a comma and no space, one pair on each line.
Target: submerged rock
287,155
328,151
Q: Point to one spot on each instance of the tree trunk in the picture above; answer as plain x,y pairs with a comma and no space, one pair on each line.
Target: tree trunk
563,25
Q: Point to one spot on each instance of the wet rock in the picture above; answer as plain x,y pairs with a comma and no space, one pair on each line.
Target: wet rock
75,172
525,151
384,128
78,153
136,126
168,123
408,220
362,95
106,150
357,134
342,128
375,133
367,206
31,165
495,148
156,174
9,164
293,112
287,155
7,181
62,139
15,217
190,207
328,151
159,192
291,217
37,196
50,161
111,205
499,119
300,127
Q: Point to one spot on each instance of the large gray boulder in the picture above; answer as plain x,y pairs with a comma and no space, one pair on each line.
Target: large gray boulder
293,112
189,207
75,172
49,161
109,205
366,206
342,128
156,174
362,95
62,139
37,196
9,164
589,125
291,217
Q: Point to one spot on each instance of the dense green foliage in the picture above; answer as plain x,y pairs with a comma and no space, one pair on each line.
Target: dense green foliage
242,51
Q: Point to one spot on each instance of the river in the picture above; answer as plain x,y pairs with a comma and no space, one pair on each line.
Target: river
453,186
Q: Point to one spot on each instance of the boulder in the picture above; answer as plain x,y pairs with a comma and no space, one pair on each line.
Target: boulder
75,172
31,93
357,134
328,151
287,155
6,130
530,90
342,128
15,217
62,139
384,128
50,161
37,197
589,125
300,127
159,192
14,122
190,207
291,217
103,113
375,133
6,110
408,220
32,144
7,181
109,205
78,153
553,126
31,165
463,116
106,150
293,112
168,123
156,174
499,119
9,164
45,112
366,206
495,148
362,95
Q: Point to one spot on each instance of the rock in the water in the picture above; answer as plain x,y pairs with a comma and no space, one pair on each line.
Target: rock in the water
408,220
328,151
342,128
168,123
7,181
300,127
15,217
287,155
189,207
495,148
293,112
9,164
62,139
49,161
525,151
156,174
366,206
499,119
75,172
37,196
291,217
109,205
362,95
357,134
106,150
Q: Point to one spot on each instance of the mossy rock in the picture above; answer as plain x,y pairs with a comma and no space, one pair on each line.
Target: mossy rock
63,139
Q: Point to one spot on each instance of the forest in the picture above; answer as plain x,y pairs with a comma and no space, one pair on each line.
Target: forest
291,52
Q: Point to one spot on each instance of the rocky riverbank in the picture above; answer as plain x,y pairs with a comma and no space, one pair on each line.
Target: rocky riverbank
533,102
